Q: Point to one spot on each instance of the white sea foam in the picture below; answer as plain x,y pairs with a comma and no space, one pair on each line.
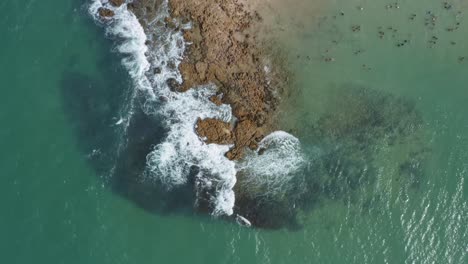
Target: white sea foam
173,160
274,168
124,27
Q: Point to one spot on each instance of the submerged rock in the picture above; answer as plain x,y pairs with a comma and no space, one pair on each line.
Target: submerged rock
361,130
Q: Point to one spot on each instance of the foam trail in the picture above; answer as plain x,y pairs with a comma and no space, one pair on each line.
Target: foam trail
125,27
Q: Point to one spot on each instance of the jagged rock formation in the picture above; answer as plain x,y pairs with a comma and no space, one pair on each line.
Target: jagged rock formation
106,13
214,130
116,2
224,51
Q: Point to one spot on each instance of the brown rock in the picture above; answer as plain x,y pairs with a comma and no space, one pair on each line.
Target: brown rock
190,75
240,112
253,145
216,99
245,133
170,23
215,131
231,155
116,2
104,12
201,68
224,51
173,85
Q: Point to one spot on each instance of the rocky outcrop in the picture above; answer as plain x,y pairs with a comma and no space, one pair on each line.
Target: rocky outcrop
117,2
214,131
246,134
105,12
224,51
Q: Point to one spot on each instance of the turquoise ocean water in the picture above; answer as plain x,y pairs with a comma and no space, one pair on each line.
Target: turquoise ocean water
64,90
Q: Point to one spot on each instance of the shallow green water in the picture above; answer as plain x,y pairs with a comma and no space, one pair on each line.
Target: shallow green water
63,91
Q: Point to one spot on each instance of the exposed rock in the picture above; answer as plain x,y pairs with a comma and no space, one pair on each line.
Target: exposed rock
201,68
223,52
104,12
215,131
246,134
216,99
170,23
116,2
173,84
157,70
191,78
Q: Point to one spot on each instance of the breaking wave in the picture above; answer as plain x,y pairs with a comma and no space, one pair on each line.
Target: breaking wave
183,157
274,169
173,160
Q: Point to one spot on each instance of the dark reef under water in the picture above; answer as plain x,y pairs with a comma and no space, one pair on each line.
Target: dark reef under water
343,145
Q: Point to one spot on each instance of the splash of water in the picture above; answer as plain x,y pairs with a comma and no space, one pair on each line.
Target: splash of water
274,169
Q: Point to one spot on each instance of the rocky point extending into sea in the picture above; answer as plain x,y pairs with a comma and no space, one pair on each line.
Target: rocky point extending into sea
225,50
222,84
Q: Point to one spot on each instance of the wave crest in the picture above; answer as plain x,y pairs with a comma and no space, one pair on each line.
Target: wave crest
274,169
